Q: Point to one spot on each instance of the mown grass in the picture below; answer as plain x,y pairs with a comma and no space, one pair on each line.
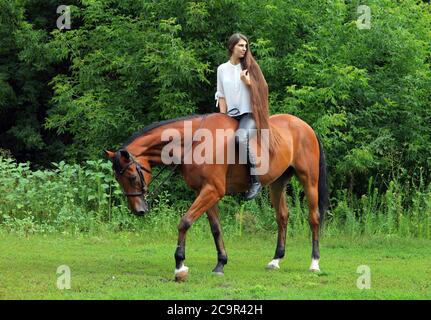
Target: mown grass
140,266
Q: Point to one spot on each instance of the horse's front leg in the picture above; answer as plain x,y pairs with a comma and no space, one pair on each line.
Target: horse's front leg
207,198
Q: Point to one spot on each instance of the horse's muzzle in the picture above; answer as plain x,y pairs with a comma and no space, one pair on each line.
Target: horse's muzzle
141,213
141,209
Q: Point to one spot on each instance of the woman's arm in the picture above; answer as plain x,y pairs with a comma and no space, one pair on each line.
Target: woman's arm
222,104
221,101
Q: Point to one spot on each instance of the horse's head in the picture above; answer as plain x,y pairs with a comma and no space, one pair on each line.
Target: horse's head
130,175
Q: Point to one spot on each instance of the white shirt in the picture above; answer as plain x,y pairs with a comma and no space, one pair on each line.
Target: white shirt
233,89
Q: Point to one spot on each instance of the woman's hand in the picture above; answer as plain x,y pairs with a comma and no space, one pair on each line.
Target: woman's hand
245,76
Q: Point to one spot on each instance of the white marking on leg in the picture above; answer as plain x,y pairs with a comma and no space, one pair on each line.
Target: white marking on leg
274,264
314,265
182,269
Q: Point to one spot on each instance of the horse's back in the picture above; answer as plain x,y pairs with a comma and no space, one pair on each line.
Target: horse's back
297,139
295,131
220,121
281,120
285,120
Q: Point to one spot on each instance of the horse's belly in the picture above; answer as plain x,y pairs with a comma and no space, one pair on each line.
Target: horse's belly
237,179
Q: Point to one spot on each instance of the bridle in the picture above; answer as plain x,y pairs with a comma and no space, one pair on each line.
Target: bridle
144,186
140,168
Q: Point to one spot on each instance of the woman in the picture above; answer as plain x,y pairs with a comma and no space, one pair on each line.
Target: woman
242,93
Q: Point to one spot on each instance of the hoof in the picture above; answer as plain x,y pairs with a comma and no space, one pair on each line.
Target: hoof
273,265
181,274
218,273
314,266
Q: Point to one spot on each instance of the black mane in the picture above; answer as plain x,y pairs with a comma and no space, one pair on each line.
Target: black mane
156,125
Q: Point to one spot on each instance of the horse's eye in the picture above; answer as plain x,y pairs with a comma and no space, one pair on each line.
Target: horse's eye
132,179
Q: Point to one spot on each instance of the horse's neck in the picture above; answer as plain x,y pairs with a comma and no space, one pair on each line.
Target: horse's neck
151,145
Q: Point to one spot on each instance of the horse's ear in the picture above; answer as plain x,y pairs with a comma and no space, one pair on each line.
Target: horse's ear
125,154
109,154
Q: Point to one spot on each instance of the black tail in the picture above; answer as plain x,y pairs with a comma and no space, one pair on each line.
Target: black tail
323,184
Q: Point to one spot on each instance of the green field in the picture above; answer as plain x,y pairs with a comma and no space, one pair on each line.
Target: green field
132,266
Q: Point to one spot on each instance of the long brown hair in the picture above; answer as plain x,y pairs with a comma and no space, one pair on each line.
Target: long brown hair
258,91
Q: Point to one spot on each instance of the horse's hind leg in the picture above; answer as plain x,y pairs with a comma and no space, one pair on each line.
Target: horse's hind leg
213,218
309,180
282,216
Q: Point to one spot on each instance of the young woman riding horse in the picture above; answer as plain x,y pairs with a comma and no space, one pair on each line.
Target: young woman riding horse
293,147
242,93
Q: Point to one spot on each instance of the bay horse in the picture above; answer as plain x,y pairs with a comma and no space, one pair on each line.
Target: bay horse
300,153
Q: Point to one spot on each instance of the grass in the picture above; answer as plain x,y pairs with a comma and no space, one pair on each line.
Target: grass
132,266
